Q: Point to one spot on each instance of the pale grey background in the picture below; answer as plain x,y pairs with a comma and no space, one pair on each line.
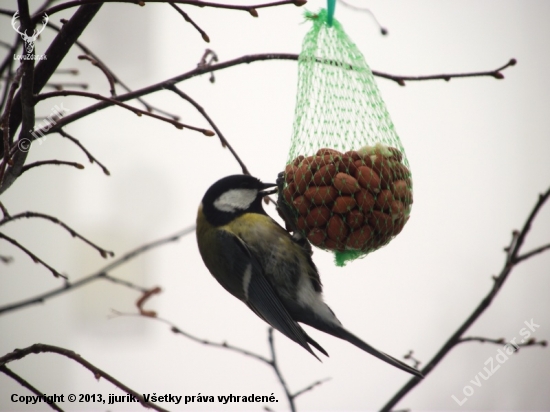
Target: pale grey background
479,152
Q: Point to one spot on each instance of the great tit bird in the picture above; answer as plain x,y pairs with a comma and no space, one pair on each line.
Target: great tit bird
260,263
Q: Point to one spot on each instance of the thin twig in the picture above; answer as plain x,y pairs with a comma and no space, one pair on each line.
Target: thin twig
496,73
310,387
501,341
4,211
223,140
213,68
512,253
416,362
250,9
208,58
74,72
188,20
104,69
136,111
27,215
100,274
91,158
175,329
144,298
532,253
86,50
4,369
51,162
383,30
278,372
122,282
34,258
64,85
98,373
271,362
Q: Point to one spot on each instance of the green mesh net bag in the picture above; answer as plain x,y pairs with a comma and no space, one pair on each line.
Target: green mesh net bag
347,181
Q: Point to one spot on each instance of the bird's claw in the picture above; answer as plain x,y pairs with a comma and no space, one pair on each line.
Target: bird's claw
288,216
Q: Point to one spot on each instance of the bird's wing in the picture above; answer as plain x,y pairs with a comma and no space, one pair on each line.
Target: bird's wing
259,295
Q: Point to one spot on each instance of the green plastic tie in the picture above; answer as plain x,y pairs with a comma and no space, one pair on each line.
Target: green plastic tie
331,5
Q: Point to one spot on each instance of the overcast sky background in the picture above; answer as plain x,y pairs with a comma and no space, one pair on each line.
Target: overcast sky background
479,153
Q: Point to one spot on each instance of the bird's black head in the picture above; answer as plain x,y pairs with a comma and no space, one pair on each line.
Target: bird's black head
233,196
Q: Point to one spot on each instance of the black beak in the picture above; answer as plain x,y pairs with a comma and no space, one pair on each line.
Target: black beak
267,186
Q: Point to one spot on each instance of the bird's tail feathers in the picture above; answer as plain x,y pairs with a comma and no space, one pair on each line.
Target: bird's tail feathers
351,338
340,332
316,345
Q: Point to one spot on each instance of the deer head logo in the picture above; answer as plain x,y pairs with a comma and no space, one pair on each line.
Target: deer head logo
29,40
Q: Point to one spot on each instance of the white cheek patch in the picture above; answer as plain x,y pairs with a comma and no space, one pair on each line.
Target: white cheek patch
235,199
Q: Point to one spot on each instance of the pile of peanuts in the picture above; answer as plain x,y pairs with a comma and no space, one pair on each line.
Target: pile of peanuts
358,200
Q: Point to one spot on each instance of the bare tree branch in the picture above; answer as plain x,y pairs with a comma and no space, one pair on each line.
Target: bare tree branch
139,112
502,341
208,59
51,162
27,215
188,19
34,258
91,158
122,282
144,298
104,69
512,253
310,387
271,362
496,73
383,30
101,274
532,253
88,52
5,212
98,373
223,140
202,69
4,369
416,362
175,329
250,9
278,372
65,85
23,107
